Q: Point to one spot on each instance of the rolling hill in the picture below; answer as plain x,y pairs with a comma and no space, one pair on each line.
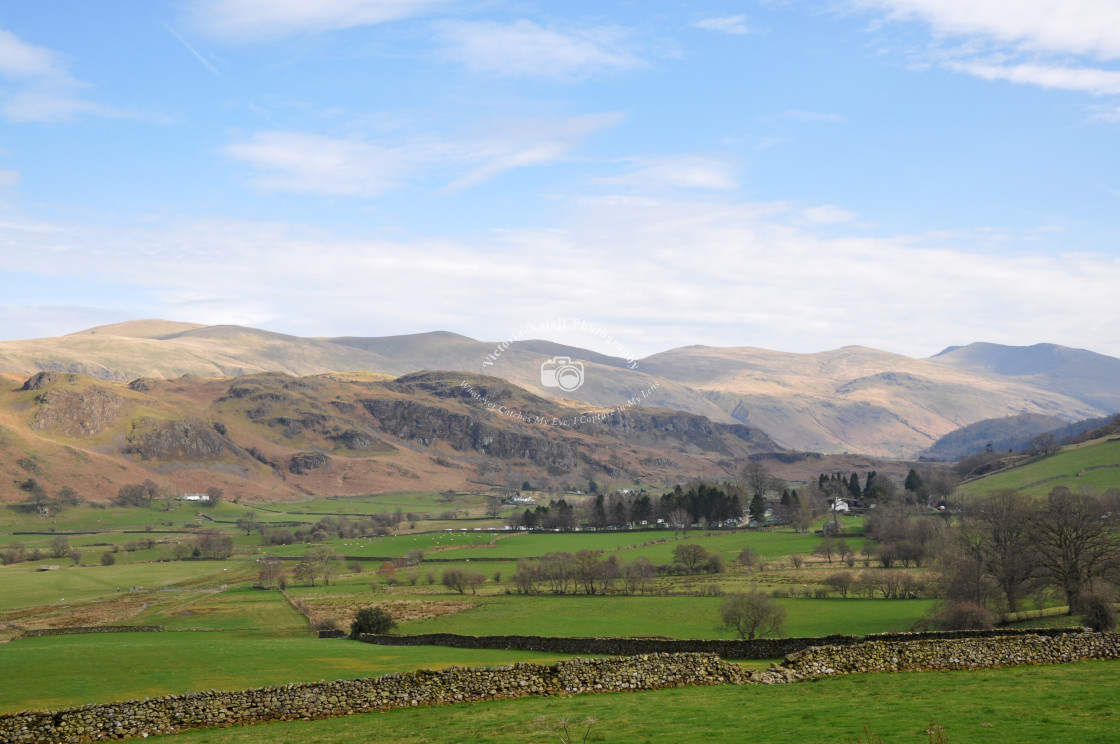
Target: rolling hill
853,399
276,436
1085,375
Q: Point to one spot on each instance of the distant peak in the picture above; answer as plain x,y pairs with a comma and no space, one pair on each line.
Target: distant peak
154,328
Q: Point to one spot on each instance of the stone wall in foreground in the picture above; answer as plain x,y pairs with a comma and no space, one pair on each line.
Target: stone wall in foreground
949,654
163,715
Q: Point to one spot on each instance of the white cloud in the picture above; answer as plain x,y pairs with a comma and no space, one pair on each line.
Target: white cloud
44,91
1080,79
829,214
18,59
679,171
251,20
1110,115
529,142
1089,27
736,25
724,273
525,49
8,177
310,163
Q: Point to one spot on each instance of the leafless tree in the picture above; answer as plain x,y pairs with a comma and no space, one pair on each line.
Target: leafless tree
751,615
1077,542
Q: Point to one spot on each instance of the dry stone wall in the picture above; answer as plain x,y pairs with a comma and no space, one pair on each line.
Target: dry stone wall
759,648
91,629
950,654
138,718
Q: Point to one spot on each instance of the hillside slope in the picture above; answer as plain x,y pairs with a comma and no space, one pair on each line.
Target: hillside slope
276,436
1078,373
852,399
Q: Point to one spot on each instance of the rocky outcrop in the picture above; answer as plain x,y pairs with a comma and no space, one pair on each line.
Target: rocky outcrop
184,439
43,380
425,425
77,413
307,461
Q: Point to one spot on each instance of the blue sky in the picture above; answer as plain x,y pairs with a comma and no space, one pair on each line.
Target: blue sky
901,174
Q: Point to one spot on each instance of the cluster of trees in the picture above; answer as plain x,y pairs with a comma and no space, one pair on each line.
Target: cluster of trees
919,487
319,562
17,552
145,494
1008,547
205,544
890,584
592,572
698,503
905,535
327,528
38,497
460,580
587,571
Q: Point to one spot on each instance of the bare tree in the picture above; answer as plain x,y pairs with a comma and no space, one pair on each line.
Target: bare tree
493,506
751,615
1001,527
638,575
679,519
756,478
690,555
1077,542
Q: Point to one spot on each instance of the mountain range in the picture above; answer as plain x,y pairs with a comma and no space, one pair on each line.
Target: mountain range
853,399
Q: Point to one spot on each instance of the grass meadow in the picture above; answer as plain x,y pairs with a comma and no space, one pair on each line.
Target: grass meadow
1067,703
221,633
1069,467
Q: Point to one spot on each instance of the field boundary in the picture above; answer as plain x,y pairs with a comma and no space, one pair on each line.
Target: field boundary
316,700
77,629
953,654
758,648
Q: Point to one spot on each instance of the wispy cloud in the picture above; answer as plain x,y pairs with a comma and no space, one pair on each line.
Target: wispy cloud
255,20
42,89
829,214
678,171
311,163
1110,115
524,49
735,25
1089,27
704,257
529,142
1081,79
1030,42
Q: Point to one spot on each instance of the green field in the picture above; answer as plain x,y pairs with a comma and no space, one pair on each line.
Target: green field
1068,467
23,586
57,671
657,545
224,634
1067,703
677,617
